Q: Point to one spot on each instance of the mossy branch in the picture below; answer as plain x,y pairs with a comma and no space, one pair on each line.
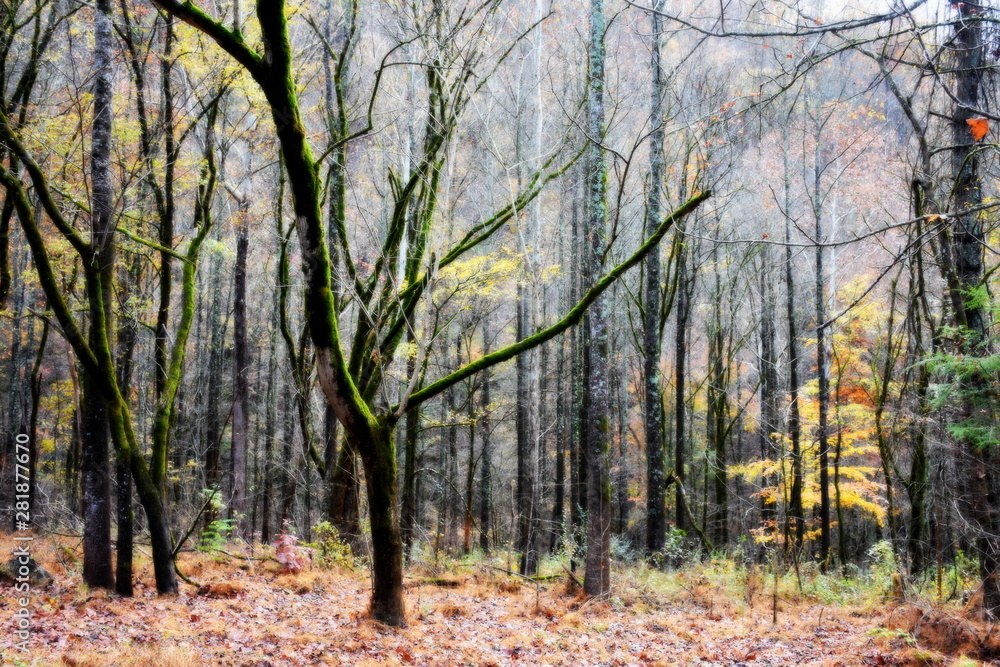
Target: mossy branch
572,317
230,41
175,368
151,244
407,301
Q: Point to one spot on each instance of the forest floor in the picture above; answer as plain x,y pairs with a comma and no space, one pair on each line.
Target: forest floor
249,614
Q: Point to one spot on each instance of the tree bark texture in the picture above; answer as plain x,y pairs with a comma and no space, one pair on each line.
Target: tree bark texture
656,520
241,390
96,463
980,501
597,577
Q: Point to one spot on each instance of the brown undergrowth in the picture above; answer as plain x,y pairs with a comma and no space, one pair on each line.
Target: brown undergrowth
247,613
954,632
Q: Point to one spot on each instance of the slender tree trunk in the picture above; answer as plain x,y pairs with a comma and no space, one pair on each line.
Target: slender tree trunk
579,405
453,511
36,395
563,435
411,431
884,378
97,563
127,334
680,381
597,579
717,431
126,523
585,437
166,212
768,384
470,475
620,471
526,544
411,428
215,422
486,466
919,476
74,452
796,516
837,453
241,369
543,432
822,366
656,519
269,434
288,479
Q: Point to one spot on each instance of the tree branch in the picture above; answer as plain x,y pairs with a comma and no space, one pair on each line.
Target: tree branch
798,31
572,317
231,42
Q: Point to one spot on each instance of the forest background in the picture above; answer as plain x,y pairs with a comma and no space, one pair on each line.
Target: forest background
562,282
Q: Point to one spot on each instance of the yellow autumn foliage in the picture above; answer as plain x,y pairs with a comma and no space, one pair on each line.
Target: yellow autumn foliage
853,464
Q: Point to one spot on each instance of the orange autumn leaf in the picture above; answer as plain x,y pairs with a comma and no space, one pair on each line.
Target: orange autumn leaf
978,127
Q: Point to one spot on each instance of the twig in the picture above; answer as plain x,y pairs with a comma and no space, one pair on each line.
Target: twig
774,599
595,598
572,576
185,578
226,553
705,542
990,632
194,523
533,580
513,574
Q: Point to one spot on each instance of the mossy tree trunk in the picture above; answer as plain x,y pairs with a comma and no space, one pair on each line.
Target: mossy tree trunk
351,384
379,458
124,516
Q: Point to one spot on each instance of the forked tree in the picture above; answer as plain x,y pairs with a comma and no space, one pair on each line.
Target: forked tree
351,379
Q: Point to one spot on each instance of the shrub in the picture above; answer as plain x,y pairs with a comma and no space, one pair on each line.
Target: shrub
673,551
331,551
293,557
883,565
217,532
622,549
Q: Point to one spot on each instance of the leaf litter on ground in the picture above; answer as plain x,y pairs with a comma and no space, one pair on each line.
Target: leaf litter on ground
262,617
